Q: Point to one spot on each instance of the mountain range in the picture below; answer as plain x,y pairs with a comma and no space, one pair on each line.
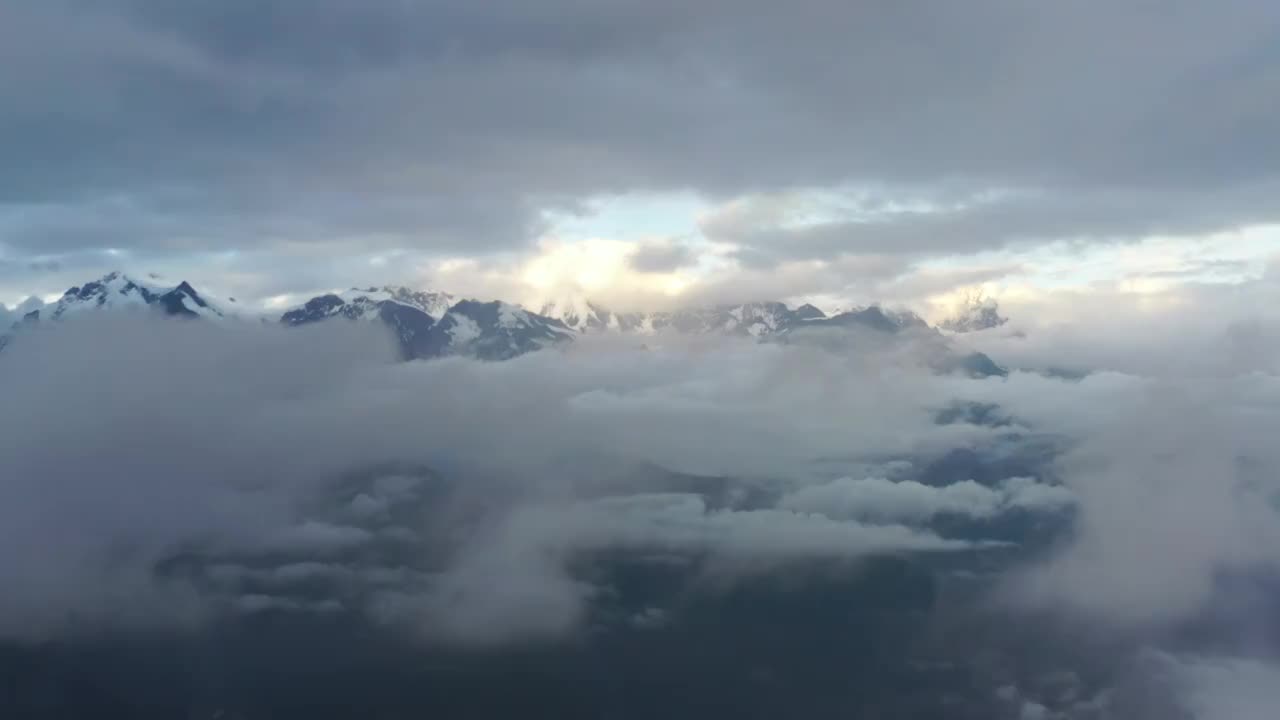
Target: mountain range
437,324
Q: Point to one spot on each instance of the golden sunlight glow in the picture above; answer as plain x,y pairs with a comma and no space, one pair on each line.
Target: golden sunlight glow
595,266
276,302
675,284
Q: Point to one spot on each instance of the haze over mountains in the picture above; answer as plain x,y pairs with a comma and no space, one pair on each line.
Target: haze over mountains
435,324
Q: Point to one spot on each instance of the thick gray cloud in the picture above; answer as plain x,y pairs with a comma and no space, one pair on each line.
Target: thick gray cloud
1173,481
448,126
170,470
1222,688
1016,219
909,501
165,473
1172,463
661,256
1188,330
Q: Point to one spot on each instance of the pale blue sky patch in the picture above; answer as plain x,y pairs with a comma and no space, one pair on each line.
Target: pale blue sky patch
630,217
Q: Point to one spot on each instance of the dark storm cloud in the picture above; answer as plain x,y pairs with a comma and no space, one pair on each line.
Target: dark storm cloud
449,125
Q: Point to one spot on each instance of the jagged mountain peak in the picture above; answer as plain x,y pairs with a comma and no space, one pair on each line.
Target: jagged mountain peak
874,316
497,330
115,290
759,318
435,304
118,289
370,303
809,312
425,325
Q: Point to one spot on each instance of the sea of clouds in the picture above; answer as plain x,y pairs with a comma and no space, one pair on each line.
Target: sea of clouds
162,473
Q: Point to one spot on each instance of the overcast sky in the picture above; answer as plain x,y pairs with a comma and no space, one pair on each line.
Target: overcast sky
638,151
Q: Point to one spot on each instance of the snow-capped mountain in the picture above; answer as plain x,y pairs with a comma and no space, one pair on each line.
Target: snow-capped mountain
758,319
427,325
497,330
434,304
411,314
877,315
762,320
411,324
776,322
112,292
117,290
369,304
873,318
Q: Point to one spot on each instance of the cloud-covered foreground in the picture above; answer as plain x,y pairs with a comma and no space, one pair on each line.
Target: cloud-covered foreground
144,447
163,474
1224,688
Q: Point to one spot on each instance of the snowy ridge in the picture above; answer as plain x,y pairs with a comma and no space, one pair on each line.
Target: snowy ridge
498,330
113,292
435,304
426,325
403,311
431,325
117,290
369,304
757,319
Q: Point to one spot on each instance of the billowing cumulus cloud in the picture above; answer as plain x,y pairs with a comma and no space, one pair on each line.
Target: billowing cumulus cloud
1012,218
